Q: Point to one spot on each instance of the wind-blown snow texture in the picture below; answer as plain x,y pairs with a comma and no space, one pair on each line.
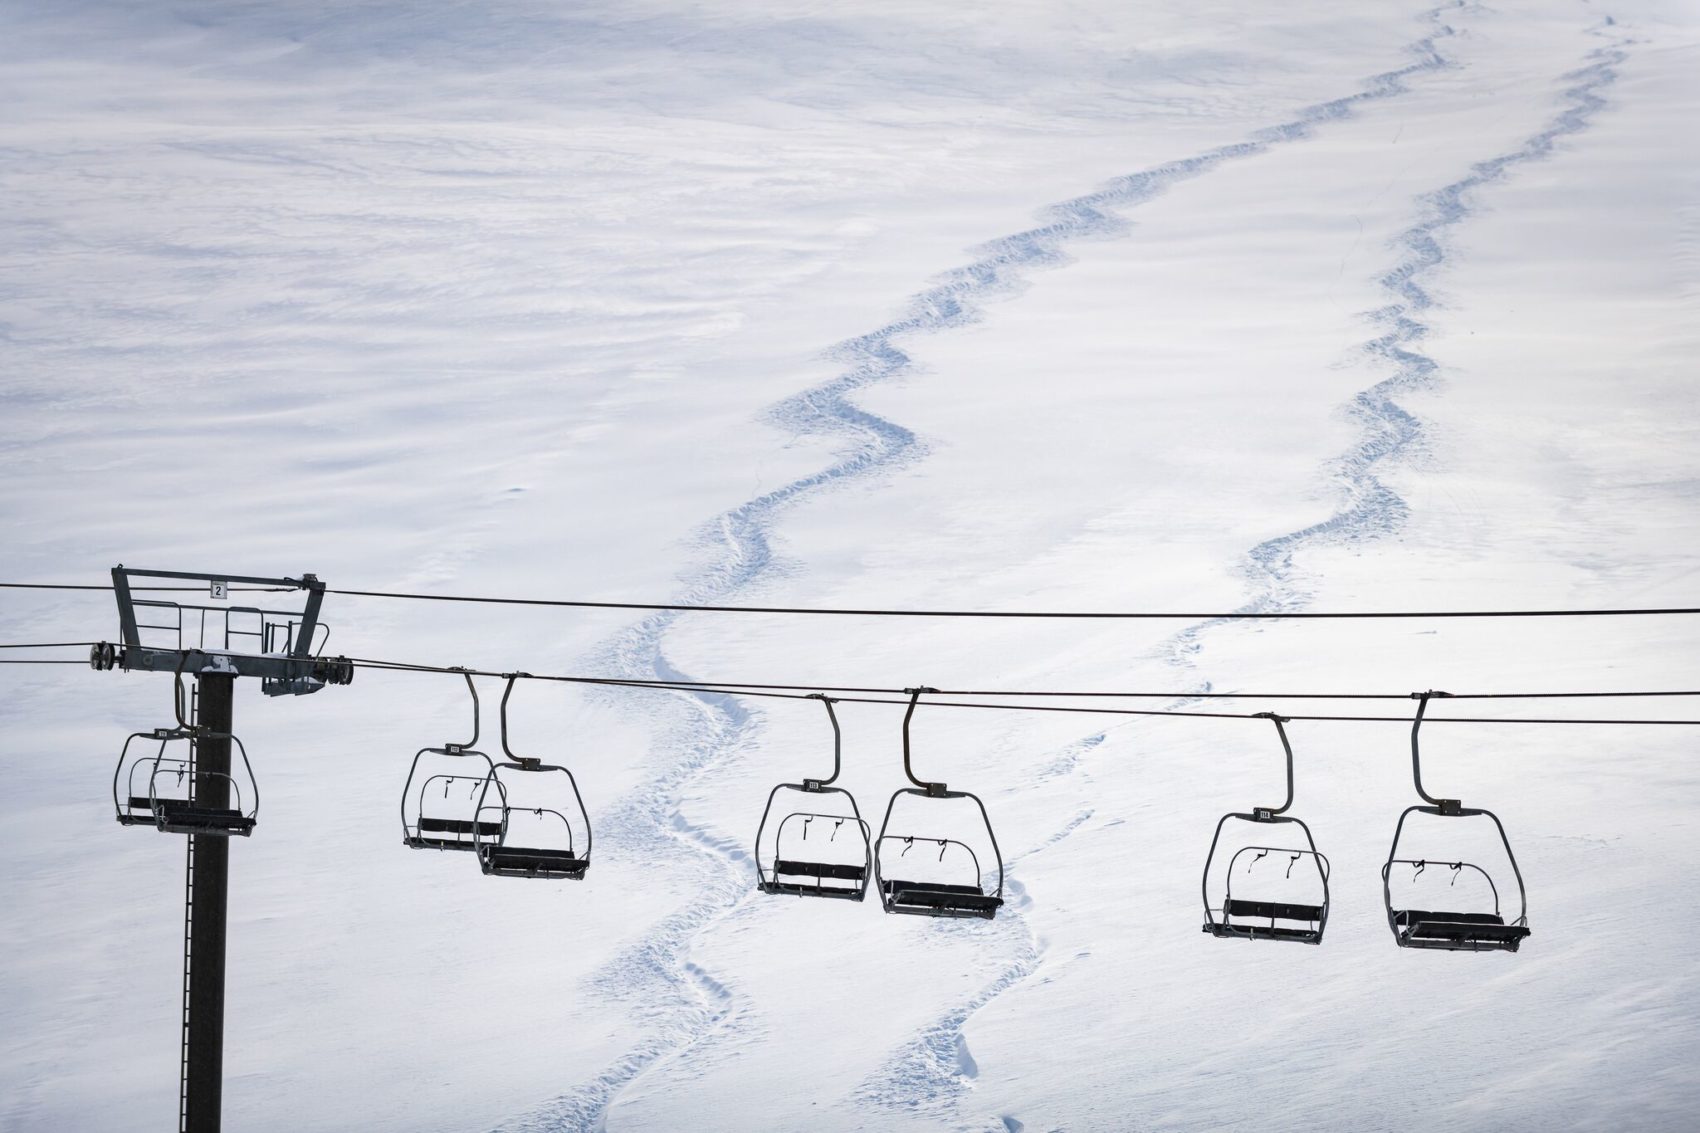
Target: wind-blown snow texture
936,1063
740,537
615,201
1372,509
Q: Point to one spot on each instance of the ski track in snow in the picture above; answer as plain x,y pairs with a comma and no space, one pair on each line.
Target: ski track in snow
938,1065
1371,510
655,981
934,1068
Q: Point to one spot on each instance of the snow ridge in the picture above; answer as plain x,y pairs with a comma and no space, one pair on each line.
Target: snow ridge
656,980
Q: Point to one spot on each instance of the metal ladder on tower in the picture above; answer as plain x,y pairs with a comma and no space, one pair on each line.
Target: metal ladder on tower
188,968
188,941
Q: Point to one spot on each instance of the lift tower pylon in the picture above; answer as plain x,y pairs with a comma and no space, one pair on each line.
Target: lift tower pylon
216,644
204,934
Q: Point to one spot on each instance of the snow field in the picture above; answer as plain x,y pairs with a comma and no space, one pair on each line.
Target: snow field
489,302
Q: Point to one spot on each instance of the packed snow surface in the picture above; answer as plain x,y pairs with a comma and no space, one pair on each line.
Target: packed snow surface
1067,306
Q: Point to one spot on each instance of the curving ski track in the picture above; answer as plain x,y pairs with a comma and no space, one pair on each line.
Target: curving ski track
1372,510
932,1070
655,981
939,1060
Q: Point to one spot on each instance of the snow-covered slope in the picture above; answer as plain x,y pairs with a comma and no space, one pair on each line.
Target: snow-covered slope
1044,307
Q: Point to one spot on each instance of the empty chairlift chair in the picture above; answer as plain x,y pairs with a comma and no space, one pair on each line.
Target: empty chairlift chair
1482,927
814,852
160,782
439,803
542,829
1271,904
908,875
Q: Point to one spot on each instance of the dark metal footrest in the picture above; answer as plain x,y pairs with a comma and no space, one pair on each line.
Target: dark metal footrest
419,842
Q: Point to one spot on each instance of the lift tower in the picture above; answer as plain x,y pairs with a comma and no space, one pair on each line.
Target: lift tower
216,644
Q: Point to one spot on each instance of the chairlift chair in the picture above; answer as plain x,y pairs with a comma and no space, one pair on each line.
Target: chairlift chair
1477,930
440,799
961,898
542,796
1260,919
796,866
160,784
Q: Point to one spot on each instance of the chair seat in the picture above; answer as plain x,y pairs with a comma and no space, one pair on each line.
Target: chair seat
137,811
1418,916
936,899
820,870
459,826
1274,909
1472,932
183,818
508,861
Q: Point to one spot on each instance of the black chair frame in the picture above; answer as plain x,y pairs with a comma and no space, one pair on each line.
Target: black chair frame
1314,918
187,815
496,855
772,875
929,899
1446,930
423,831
